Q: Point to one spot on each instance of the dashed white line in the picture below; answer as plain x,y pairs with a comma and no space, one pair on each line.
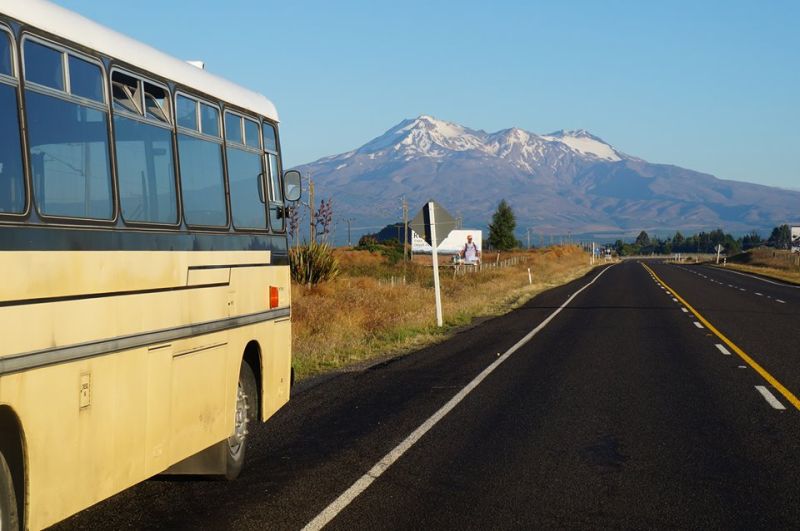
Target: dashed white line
674,299
722,349
340,503
698,325
684,310
769,397
759,294
780,301
742,289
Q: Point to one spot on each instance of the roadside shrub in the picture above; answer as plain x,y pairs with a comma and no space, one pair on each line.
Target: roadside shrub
313,263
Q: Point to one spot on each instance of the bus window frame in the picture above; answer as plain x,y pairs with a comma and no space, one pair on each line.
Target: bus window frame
277,153
142,118
65,95
244,147
179,91
14,80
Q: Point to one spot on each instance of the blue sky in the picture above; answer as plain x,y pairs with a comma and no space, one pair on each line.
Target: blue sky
711,86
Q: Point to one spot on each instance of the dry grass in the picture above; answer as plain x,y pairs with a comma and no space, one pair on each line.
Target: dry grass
361,315
774,263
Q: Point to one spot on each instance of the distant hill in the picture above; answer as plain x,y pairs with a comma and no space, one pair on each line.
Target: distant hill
567,181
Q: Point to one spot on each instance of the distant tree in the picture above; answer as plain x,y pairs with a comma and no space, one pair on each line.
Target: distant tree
678,241
642,240
752,239
781,237
630,250
704,242
732,246
717,237
367,242
501,229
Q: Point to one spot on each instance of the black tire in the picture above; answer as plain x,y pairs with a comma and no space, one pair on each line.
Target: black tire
246,409
9,519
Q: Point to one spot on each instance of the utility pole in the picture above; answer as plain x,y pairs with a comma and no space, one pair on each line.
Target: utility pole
349,240
405,229
312,224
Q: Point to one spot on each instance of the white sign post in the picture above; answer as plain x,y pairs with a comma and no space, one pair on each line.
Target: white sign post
435,266
425,223
719,250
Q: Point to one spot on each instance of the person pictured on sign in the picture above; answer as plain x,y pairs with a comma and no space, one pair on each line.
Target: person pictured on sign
470,253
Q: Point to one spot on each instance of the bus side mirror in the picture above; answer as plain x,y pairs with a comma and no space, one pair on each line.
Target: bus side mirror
291,185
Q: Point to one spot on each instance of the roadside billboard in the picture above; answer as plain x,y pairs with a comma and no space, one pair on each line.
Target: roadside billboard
453,244
796,239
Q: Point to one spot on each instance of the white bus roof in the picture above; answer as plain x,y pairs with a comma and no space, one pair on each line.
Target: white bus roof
64,23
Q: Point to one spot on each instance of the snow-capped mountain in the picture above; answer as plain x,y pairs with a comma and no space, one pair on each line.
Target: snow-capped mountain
558,182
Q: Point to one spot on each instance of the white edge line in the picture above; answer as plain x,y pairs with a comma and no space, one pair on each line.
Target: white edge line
763,279
722,349
339,504
769,397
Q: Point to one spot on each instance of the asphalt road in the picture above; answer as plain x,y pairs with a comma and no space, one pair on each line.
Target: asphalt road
619,412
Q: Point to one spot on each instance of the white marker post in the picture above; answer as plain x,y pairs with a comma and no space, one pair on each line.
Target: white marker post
434,244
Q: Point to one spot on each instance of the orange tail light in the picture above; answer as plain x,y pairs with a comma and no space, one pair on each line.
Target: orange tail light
273,297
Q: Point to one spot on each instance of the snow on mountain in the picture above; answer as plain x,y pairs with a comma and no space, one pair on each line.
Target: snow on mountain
426,136
585,144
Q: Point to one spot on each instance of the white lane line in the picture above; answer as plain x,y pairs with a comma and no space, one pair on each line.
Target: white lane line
730,285
763,279
742,366
684,310
780,301
759,294
722,349
674,299
769,397
742,289
698,325
339,504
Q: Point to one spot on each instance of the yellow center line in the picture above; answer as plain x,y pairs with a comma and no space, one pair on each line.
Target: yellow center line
741,353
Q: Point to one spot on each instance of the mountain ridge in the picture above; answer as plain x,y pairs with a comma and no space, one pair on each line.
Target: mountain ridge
565,181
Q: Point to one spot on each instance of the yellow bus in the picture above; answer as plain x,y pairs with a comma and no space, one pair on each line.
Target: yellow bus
145,296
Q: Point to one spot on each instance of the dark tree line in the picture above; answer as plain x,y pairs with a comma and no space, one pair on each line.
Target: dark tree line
703,242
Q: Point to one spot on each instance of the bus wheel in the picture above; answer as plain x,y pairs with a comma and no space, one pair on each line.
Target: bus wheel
8,502
246,406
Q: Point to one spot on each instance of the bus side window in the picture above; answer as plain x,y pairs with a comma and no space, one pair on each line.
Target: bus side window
143,144
245,175
277,210
201,170
70,135
12,196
